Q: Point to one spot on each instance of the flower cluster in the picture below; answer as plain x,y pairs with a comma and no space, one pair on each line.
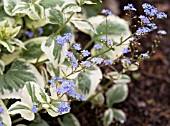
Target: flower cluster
129,7
67,87
63,107
61,40
106,12
146,21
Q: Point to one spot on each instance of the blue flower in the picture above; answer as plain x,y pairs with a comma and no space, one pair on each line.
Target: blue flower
52,82
73,59
108,62
103,38
129,7
122,121
125,50
109,42
86,63
65,39
162,32
126,60
161,15
59,79
106,12
60,40
97,60
147,6
1,123
85,53
97,46
67,36
149,9
1,110
152,25
34,109
145,55
143,30
63,107
144,19
29,34
40,31
77,47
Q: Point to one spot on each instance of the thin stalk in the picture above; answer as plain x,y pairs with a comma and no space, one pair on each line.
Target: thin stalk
58,31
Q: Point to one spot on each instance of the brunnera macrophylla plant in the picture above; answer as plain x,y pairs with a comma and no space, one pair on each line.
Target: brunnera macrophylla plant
45,68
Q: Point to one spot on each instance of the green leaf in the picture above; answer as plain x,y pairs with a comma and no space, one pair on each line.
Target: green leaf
84,83
119,114
9,47
94,81
2,67
9,5
40,123
69,120
16,77
116,94
55,53
108,117
31,91
52,3
55,16
118,78
23,109
70,7
33,51
84,26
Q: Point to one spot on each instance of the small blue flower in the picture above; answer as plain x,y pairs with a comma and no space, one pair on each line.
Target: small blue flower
108,62
60,40
125,50
86,63
63,107
97,60
162,32
29,34
1,123
77,47
52,82
40,31
106,12
161,15
65,39
145,55
147,6
126,60
85,53
59,79
152,25
129,7
109,42
67,36
143,30
97,46
144,19
122,121
1,110
73,59
34,109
